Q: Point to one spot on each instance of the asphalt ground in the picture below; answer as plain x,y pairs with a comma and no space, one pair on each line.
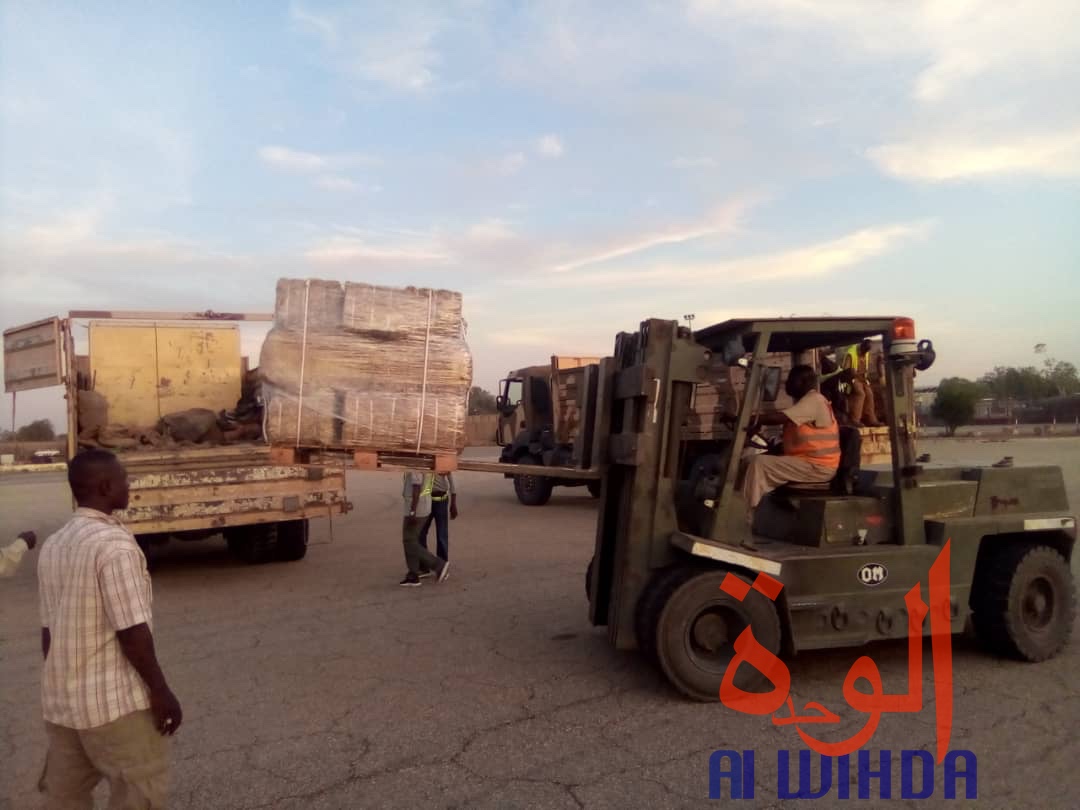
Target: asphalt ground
321,684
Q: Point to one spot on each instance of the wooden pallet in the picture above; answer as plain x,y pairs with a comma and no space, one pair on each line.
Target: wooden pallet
370,460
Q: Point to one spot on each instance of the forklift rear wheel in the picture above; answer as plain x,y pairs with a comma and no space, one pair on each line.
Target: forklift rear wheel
532,490
696,632
1025,603
594,488
588,579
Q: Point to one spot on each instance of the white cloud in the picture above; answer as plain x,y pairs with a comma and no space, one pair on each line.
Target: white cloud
293,160
550,146
332,182
723,220
396,52
939,159
811,261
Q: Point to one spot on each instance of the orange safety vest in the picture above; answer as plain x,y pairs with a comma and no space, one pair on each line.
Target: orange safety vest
818,445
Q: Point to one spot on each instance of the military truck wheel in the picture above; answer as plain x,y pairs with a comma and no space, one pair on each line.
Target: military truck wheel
292,540
1025,602
594,488
696,632
532,490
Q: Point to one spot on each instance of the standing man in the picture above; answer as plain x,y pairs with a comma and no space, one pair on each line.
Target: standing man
811,441
443,510
417,496
107,706
11,555
861,402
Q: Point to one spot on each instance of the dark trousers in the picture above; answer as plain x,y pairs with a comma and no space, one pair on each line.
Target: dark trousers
440,516
417,558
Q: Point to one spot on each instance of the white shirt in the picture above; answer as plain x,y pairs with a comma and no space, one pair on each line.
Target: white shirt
10,557
811,408
92,582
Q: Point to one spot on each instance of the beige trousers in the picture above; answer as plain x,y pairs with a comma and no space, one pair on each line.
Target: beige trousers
861,406
766,473
129,753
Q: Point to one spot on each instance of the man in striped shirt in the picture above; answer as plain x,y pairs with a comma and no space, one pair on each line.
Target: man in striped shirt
107,706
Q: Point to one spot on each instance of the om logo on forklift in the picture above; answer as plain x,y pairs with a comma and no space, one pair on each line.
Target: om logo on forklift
873,574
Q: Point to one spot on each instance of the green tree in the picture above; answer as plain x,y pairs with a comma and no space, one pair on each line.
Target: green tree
481,401
40,430
1025,384
1061,377
955,402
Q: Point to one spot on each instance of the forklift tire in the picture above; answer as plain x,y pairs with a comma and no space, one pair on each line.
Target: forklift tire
532,490
1025,603
292,540
652,601
697,628
588,579
594,488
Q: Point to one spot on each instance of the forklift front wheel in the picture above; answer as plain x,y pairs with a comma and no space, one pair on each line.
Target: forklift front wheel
696,632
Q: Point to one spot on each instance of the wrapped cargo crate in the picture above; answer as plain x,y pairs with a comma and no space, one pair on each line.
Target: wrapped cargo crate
363,367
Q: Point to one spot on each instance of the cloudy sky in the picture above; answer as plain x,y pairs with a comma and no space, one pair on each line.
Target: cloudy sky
572,168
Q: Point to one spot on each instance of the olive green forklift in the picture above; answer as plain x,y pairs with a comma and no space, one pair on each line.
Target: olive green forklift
673,525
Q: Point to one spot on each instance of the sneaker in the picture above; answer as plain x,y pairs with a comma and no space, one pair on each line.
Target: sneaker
444,572
411,581
426,574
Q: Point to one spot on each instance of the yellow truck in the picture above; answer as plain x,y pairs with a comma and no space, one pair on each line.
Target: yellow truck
138,369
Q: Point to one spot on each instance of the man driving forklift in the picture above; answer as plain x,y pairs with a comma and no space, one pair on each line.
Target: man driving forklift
811,441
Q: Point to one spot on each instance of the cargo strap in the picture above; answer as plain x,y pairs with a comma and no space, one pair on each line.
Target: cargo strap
303,360
423,390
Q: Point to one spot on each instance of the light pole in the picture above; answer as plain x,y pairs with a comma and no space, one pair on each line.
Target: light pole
689,322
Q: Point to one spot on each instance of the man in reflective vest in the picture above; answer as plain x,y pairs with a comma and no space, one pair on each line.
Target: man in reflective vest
417,496
443,510
861,407
811,441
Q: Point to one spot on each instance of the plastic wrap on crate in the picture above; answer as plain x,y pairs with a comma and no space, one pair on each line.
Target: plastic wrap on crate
357,366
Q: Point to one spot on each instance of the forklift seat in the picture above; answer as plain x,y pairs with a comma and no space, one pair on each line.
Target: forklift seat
843,483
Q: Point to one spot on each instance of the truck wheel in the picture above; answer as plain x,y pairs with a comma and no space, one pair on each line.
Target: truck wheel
594,488
696,632
254,544
532,490
1025,602
292,540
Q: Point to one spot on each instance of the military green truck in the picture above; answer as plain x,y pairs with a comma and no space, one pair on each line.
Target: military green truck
842,555
546,418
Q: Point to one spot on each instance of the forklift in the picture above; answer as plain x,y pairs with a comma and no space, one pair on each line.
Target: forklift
672,528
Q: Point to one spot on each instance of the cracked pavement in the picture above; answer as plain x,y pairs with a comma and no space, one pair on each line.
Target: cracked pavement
321,684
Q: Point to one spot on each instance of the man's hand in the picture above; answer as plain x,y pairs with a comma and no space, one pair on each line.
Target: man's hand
166,710
29,538
453,509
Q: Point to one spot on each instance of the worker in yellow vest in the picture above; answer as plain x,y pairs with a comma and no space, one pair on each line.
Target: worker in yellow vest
417,496
861,407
